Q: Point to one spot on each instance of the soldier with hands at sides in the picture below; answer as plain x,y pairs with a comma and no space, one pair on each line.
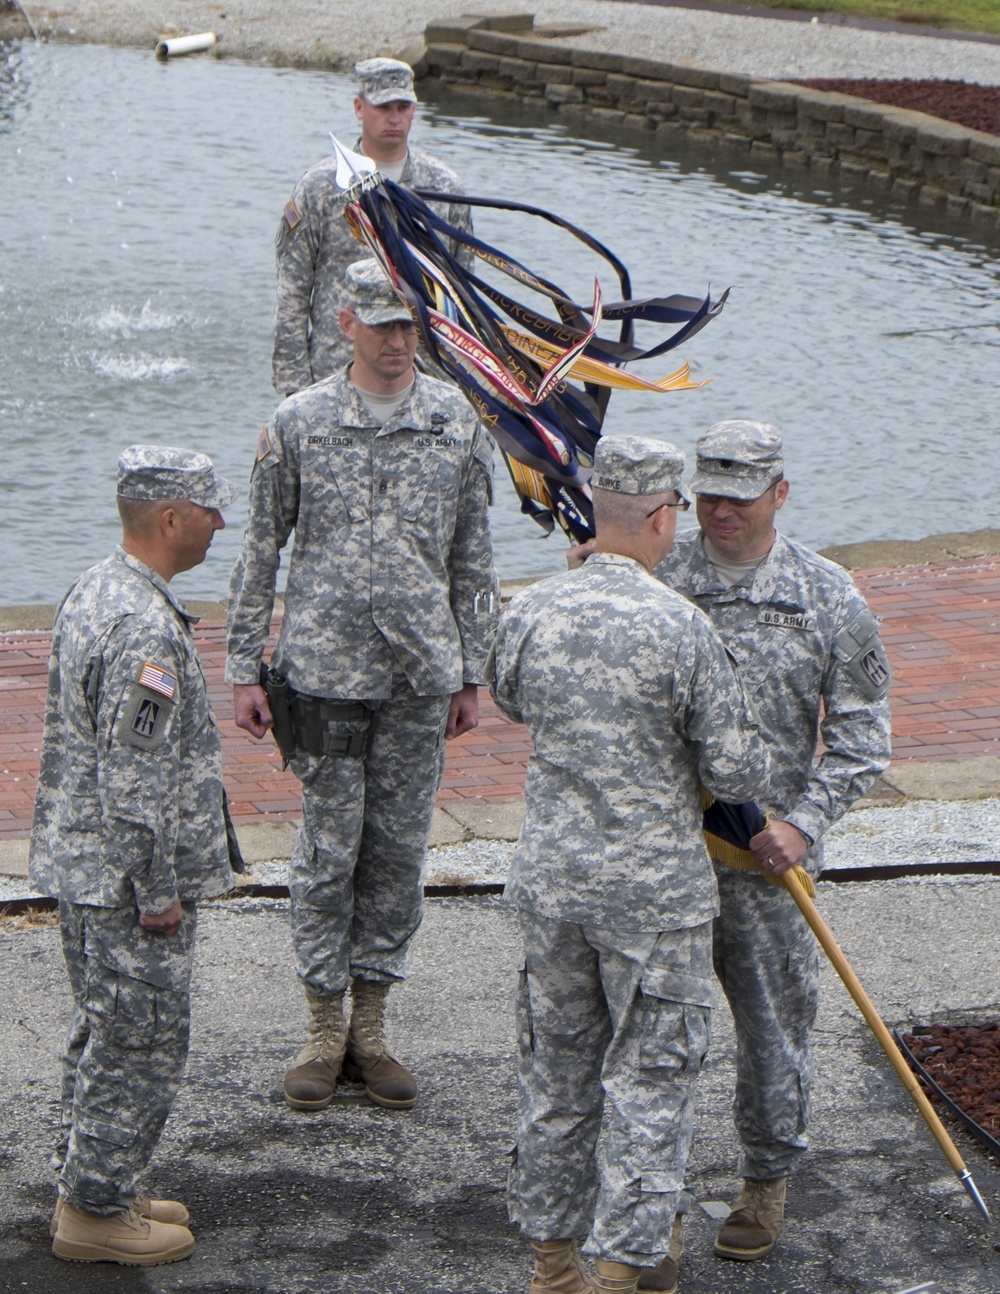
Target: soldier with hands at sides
385,476
633,707
314,246
130,831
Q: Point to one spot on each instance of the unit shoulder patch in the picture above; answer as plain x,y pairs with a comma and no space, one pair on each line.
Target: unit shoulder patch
146,712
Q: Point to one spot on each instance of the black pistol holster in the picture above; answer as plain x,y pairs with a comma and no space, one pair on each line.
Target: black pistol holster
307,723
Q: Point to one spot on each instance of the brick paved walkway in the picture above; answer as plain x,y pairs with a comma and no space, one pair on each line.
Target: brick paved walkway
941,625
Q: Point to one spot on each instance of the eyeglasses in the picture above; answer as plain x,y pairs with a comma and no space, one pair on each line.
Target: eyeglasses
384,329
682,504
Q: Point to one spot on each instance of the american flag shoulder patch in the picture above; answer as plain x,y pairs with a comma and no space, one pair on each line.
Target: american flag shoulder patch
158,679
292,216
263,445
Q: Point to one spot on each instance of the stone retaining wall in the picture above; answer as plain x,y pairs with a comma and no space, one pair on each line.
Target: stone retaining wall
909,155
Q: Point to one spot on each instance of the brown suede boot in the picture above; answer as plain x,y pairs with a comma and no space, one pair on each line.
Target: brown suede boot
663,1279
368,1060
558,1269
311,1080
172,1211
755,1221
616,1278
121,1238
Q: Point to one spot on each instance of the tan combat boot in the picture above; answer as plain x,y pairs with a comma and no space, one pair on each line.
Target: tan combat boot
558,1269
616,1278
663,1279
311,1080
122,1238
755,1221
172,1211
368,1060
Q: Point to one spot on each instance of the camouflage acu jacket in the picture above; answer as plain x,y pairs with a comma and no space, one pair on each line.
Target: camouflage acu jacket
313,248
808,651
129,803
392,564
633,706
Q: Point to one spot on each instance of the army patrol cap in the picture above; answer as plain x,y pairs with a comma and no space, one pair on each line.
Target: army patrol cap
738,459
385,80
372,297
638,465
161,472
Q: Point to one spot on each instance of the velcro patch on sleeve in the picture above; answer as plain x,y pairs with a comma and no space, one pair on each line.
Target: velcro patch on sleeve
144,717
158,679
264,446
292,216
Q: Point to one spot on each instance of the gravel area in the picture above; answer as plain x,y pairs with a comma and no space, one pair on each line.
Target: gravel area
306,32
921,831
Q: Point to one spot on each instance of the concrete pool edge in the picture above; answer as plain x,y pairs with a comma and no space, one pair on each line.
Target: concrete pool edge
908,156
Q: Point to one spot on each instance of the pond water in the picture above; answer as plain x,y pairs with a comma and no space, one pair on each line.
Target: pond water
138,203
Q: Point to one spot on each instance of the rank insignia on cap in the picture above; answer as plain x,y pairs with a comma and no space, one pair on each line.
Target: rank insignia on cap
292,216
158,679
263,445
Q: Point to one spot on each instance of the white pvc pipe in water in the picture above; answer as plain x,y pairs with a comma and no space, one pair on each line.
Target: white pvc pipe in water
177,45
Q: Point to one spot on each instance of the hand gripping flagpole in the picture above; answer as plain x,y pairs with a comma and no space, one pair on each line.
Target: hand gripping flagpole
842,966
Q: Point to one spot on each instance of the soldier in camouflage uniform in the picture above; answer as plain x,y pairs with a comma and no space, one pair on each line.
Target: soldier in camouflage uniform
385,475
129,832
633,706
314,245
808,650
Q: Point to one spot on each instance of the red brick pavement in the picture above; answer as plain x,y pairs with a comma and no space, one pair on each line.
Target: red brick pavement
941,625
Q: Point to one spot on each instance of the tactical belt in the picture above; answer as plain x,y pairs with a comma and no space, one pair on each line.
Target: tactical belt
306,723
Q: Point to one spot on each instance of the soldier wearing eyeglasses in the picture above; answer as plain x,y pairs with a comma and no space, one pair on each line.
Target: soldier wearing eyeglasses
314,246
385,476
633,706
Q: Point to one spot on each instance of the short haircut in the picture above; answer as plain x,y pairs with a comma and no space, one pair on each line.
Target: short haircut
627,511
137,514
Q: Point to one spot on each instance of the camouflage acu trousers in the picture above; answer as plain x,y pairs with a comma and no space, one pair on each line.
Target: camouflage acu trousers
356,874
615,1015
767,963
126,1049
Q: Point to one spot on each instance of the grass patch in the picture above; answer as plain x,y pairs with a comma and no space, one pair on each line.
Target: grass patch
957,15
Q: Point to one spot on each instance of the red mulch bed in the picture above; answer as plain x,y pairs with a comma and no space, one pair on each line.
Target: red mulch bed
975,106
964,1061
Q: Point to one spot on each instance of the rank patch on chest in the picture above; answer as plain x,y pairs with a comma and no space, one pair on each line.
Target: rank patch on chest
158,679
787,619
292,216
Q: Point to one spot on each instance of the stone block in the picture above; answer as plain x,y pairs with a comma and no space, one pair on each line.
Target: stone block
598,94
705,136
984,193
983,214
957,206
613,115
637,121
931,196
444,57
452,30
735,83
784,139
864,115
868,140
840,135
694,115
563,93
670,129
509,21
655,91
473,61
686,96
720,106
702,78
880,178
825,105
795,157
901,125
739,143
492,42
588,76
905,189
775,96
984,148
944,138
620,87
764,151
597,59
852,169
539,52
822,162
555,74
517,69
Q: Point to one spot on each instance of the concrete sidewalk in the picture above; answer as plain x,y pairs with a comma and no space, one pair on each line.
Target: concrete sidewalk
359,1200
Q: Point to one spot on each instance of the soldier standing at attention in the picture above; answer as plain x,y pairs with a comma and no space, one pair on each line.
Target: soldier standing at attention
314,246
633,706
129,832
385,476
808,651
